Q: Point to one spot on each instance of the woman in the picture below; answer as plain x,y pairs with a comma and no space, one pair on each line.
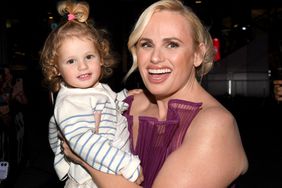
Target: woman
183,136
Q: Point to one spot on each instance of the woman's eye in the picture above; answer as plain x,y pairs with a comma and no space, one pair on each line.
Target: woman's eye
145,44
173,45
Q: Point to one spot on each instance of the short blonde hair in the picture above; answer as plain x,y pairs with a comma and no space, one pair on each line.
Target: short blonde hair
199,33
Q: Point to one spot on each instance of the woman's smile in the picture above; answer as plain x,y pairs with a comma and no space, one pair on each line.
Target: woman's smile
158,75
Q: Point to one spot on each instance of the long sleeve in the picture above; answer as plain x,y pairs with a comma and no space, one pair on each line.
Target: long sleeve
60,164
121,105
75,117
53,134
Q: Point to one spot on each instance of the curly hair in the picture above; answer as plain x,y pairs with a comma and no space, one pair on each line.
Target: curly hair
79,26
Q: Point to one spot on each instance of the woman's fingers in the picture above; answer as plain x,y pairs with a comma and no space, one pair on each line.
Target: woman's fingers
62,146
67,151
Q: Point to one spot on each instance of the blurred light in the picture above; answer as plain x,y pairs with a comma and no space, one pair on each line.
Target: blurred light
8,24
244,28
269,73
50,16
216,44
229,87
198,2
19,53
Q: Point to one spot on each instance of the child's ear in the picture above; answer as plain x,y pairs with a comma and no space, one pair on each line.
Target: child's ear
56,70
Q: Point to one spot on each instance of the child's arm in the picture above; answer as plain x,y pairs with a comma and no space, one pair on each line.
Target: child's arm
60,164
76,123
53,134
95,173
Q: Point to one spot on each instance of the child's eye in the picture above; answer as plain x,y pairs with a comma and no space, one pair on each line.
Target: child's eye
71,61
88,57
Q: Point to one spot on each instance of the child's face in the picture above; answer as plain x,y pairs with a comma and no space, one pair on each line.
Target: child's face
79,62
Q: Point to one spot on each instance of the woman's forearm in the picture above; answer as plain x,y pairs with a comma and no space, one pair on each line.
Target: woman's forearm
104,180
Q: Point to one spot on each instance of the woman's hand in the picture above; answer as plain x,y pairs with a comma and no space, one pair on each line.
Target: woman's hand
134,91
69,154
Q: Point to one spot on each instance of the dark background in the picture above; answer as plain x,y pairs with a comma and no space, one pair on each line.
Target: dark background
253,53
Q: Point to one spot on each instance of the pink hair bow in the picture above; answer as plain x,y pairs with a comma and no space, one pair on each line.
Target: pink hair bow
71,17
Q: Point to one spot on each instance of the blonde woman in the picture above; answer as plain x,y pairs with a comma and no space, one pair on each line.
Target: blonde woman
183,135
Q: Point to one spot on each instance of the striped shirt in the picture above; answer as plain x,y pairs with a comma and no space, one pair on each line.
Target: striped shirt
108,150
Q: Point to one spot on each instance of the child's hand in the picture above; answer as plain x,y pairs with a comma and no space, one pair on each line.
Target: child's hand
140,179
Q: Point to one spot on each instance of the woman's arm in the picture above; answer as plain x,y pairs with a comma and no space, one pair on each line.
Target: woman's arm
211,156
103,180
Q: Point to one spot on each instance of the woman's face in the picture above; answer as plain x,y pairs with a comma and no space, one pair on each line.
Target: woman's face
79,62
165,54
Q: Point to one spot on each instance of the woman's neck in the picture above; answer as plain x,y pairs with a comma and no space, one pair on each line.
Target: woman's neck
189,92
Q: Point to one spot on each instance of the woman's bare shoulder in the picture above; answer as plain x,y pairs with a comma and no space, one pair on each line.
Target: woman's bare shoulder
215,126
216,115
211,154
214,123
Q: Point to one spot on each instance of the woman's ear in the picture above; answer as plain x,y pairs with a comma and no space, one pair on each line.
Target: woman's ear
199,55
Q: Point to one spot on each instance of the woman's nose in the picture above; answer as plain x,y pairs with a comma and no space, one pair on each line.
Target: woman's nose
157,55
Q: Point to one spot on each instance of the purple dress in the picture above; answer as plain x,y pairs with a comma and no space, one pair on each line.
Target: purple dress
157,139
